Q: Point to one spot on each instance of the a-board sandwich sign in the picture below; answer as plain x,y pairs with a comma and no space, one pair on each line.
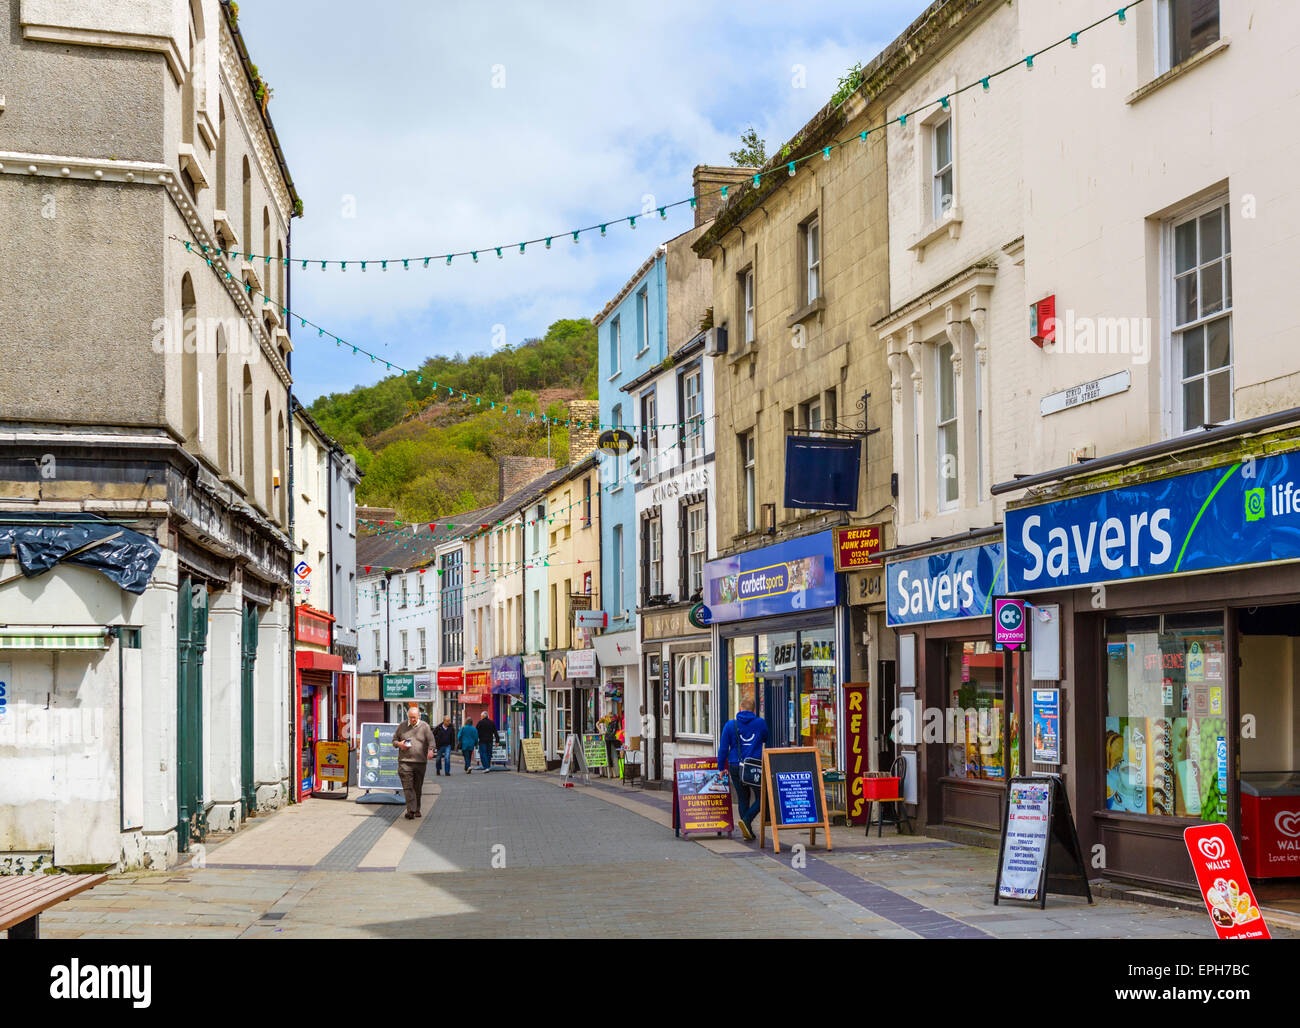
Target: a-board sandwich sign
377,763
594,751
793,794
331,761
1220,873
701,797
532,757
1039,850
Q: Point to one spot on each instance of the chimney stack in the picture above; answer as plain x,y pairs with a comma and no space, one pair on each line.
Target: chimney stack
582,437
513,473
707,181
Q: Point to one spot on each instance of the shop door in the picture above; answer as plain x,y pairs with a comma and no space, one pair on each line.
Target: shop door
886,704
777,697
191,643
247,660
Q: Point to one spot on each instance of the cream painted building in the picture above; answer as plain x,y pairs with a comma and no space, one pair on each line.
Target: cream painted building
1159,216
146,390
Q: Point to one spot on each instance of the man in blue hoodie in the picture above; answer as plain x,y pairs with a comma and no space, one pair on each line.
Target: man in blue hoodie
743,737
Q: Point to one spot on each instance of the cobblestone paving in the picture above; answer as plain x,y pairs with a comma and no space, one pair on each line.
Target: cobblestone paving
512,855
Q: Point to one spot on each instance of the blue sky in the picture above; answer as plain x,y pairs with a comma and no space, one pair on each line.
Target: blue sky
413,127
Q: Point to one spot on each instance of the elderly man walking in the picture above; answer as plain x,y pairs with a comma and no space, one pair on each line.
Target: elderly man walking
414,742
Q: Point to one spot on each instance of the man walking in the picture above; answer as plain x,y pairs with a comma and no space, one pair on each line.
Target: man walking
414,742
443,737
743,738
487,735
468,739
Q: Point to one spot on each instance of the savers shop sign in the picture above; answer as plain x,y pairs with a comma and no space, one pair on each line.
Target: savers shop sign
1242,513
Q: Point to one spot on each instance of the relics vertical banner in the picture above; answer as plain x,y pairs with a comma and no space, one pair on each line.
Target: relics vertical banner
857,747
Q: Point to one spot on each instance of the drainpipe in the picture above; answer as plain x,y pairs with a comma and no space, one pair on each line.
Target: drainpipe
288,479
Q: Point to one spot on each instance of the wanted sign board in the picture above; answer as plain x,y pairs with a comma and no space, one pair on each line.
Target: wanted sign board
531,755
793,794
1039,851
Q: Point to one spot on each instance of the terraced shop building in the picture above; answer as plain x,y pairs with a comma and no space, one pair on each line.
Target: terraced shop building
1168,562
144,424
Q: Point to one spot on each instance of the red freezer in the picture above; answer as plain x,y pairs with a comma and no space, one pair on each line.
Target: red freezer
1270,823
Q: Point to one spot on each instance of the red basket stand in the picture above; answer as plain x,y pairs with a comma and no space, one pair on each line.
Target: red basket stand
882,788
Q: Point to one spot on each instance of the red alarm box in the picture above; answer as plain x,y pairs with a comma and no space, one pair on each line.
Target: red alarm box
1042,320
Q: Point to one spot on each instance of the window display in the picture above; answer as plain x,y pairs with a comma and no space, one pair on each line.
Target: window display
976,746
1165,740
817,689
742,671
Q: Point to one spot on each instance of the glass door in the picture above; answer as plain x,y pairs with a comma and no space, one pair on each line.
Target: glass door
776,700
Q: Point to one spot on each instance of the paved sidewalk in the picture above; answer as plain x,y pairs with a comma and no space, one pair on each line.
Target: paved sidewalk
512,855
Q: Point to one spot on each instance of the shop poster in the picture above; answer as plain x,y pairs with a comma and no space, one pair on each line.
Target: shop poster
1225,888
1024,854
701,796
796,803
1047,726
377,768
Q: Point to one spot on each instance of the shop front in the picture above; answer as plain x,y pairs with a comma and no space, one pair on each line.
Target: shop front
508,708
1178,600
959,696
318,713
451,682
583,671
780,626
401,689
617,654
677,653
476,697
559,706
535,693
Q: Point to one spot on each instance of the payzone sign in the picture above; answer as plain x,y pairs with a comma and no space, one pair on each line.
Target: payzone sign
1244,513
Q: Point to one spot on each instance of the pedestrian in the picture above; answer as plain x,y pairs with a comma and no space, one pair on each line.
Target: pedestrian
468,739
414,742
487,735
742,739
443,737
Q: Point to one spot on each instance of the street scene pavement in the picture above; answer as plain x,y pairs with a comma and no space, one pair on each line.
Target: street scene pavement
511,855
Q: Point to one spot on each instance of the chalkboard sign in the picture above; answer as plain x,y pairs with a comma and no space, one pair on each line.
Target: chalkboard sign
531,755
1039,851
377,763
792,795
594,751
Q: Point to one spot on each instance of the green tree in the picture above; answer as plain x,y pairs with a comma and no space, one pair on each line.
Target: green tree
752,152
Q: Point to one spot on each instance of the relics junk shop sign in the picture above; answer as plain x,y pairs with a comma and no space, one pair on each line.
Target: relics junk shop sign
857,547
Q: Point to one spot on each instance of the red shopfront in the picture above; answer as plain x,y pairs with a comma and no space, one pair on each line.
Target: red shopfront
319,712
477,694
451,683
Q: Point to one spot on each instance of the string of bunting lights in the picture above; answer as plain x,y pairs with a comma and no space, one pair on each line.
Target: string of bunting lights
788,167
358,350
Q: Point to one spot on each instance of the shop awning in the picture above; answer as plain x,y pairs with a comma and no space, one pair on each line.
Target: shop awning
317,661
31,637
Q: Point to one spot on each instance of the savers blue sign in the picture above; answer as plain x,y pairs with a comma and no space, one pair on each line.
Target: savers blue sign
1244,513
945,586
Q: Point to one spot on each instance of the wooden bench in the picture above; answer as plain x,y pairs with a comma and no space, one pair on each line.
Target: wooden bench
23,898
